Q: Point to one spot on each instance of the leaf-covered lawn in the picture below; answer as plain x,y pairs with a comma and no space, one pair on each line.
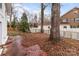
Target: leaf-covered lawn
66,47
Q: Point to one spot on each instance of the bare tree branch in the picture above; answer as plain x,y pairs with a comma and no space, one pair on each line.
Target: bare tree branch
44,6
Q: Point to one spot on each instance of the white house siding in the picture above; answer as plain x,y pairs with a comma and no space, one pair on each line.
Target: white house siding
3,25
68,28
1,17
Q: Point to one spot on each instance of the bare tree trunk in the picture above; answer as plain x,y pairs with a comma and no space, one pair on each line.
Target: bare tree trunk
42,17
55,23
10,18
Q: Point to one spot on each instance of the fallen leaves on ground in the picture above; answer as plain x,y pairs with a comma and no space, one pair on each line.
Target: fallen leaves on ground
66,47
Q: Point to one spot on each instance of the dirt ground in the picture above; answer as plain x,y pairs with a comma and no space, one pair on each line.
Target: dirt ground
15,46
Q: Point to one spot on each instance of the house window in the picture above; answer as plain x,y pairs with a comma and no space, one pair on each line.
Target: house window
71,20
76,19
73,27
65,26
0,5
65,20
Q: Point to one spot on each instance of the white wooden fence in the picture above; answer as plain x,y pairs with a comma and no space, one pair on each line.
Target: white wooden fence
68,34
38,30
64,34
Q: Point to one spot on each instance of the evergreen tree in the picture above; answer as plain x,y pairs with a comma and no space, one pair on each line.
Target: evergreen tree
24,25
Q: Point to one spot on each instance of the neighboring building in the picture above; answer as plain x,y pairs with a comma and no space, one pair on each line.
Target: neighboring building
4,11
46,25
70,20
69,27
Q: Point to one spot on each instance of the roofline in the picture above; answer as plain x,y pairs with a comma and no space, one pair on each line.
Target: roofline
70,11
